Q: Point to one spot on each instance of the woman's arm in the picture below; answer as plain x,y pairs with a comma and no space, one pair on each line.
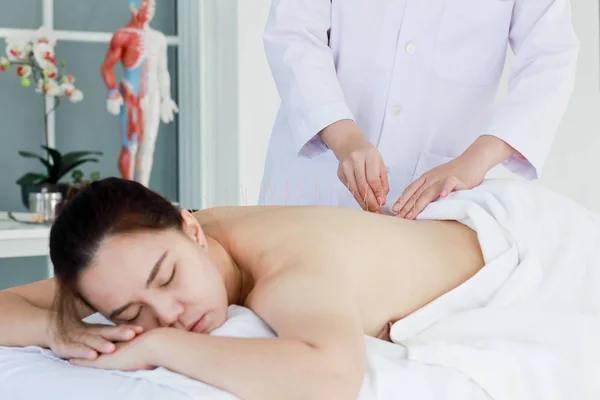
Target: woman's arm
319,352
25,312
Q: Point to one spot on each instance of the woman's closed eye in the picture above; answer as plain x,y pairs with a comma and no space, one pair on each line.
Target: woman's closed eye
131,320
170,279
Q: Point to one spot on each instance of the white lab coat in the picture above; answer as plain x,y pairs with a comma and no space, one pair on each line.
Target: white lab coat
419,78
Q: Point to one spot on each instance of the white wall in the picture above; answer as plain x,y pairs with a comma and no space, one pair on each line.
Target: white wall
258,98
572,167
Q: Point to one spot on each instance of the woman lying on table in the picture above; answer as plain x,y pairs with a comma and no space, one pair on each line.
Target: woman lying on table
320,277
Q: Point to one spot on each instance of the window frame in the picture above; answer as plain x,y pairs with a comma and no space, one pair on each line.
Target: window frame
191,154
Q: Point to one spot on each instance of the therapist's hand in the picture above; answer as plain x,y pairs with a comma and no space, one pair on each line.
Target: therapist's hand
361,168
459,174
463,173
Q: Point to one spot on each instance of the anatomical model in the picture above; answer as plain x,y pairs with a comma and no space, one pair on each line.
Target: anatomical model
143,98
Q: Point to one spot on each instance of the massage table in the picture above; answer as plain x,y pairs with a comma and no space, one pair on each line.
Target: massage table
525,327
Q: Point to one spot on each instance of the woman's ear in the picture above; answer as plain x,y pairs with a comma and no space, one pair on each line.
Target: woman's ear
192,228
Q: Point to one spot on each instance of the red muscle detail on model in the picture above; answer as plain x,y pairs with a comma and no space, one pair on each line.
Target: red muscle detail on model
124,163
127,47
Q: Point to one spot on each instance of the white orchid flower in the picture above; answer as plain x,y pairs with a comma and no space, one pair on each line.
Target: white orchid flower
44,55
45,35
67,89
24,71
68,79
4,64
77,96
50,88
18,48
50,71
53,88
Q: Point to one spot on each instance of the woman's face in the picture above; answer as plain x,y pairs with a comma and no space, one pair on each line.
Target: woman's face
156,279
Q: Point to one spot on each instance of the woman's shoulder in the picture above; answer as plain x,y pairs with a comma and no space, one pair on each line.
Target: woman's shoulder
229,212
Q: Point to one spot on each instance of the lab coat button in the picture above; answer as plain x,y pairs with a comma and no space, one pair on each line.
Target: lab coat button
410,48
396,111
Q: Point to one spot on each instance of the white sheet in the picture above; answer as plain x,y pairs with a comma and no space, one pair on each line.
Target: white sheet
528,325
34,373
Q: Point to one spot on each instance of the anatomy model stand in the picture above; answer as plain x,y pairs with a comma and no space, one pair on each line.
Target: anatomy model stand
143,98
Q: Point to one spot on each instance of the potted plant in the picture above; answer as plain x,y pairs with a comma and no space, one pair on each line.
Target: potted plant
34,59
57,166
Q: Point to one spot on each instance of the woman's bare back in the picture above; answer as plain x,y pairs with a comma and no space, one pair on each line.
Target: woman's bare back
391,266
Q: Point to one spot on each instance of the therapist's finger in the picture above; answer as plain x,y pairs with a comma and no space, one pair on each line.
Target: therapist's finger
367,196
373,165
347,177
371,201
408,194
342,175
367,201
343,179
449,186
429,195
412,202
384,181
358,167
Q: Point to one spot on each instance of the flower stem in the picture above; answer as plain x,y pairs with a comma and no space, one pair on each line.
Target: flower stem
46,136
38,74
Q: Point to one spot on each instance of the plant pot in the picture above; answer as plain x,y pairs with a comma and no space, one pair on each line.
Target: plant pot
63,188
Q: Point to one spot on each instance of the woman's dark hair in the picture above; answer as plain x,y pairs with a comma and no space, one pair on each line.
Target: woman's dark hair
103,208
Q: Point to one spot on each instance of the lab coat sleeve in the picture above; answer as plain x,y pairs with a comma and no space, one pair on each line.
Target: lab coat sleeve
296,41
540,84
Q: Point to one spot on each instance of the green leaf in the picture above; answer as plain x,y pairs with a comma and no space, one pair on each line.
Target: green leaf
31,178
95,176
28,154
71,157
77,175
53,152
57,164
68,168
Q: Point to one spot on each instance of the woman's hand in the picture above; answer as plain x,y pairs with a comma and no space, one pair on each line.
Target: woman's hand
361,168
463,173
90,341
127,356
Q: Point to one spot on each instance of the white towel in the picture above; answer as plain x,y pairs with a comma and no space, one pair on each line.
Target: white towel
527,326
